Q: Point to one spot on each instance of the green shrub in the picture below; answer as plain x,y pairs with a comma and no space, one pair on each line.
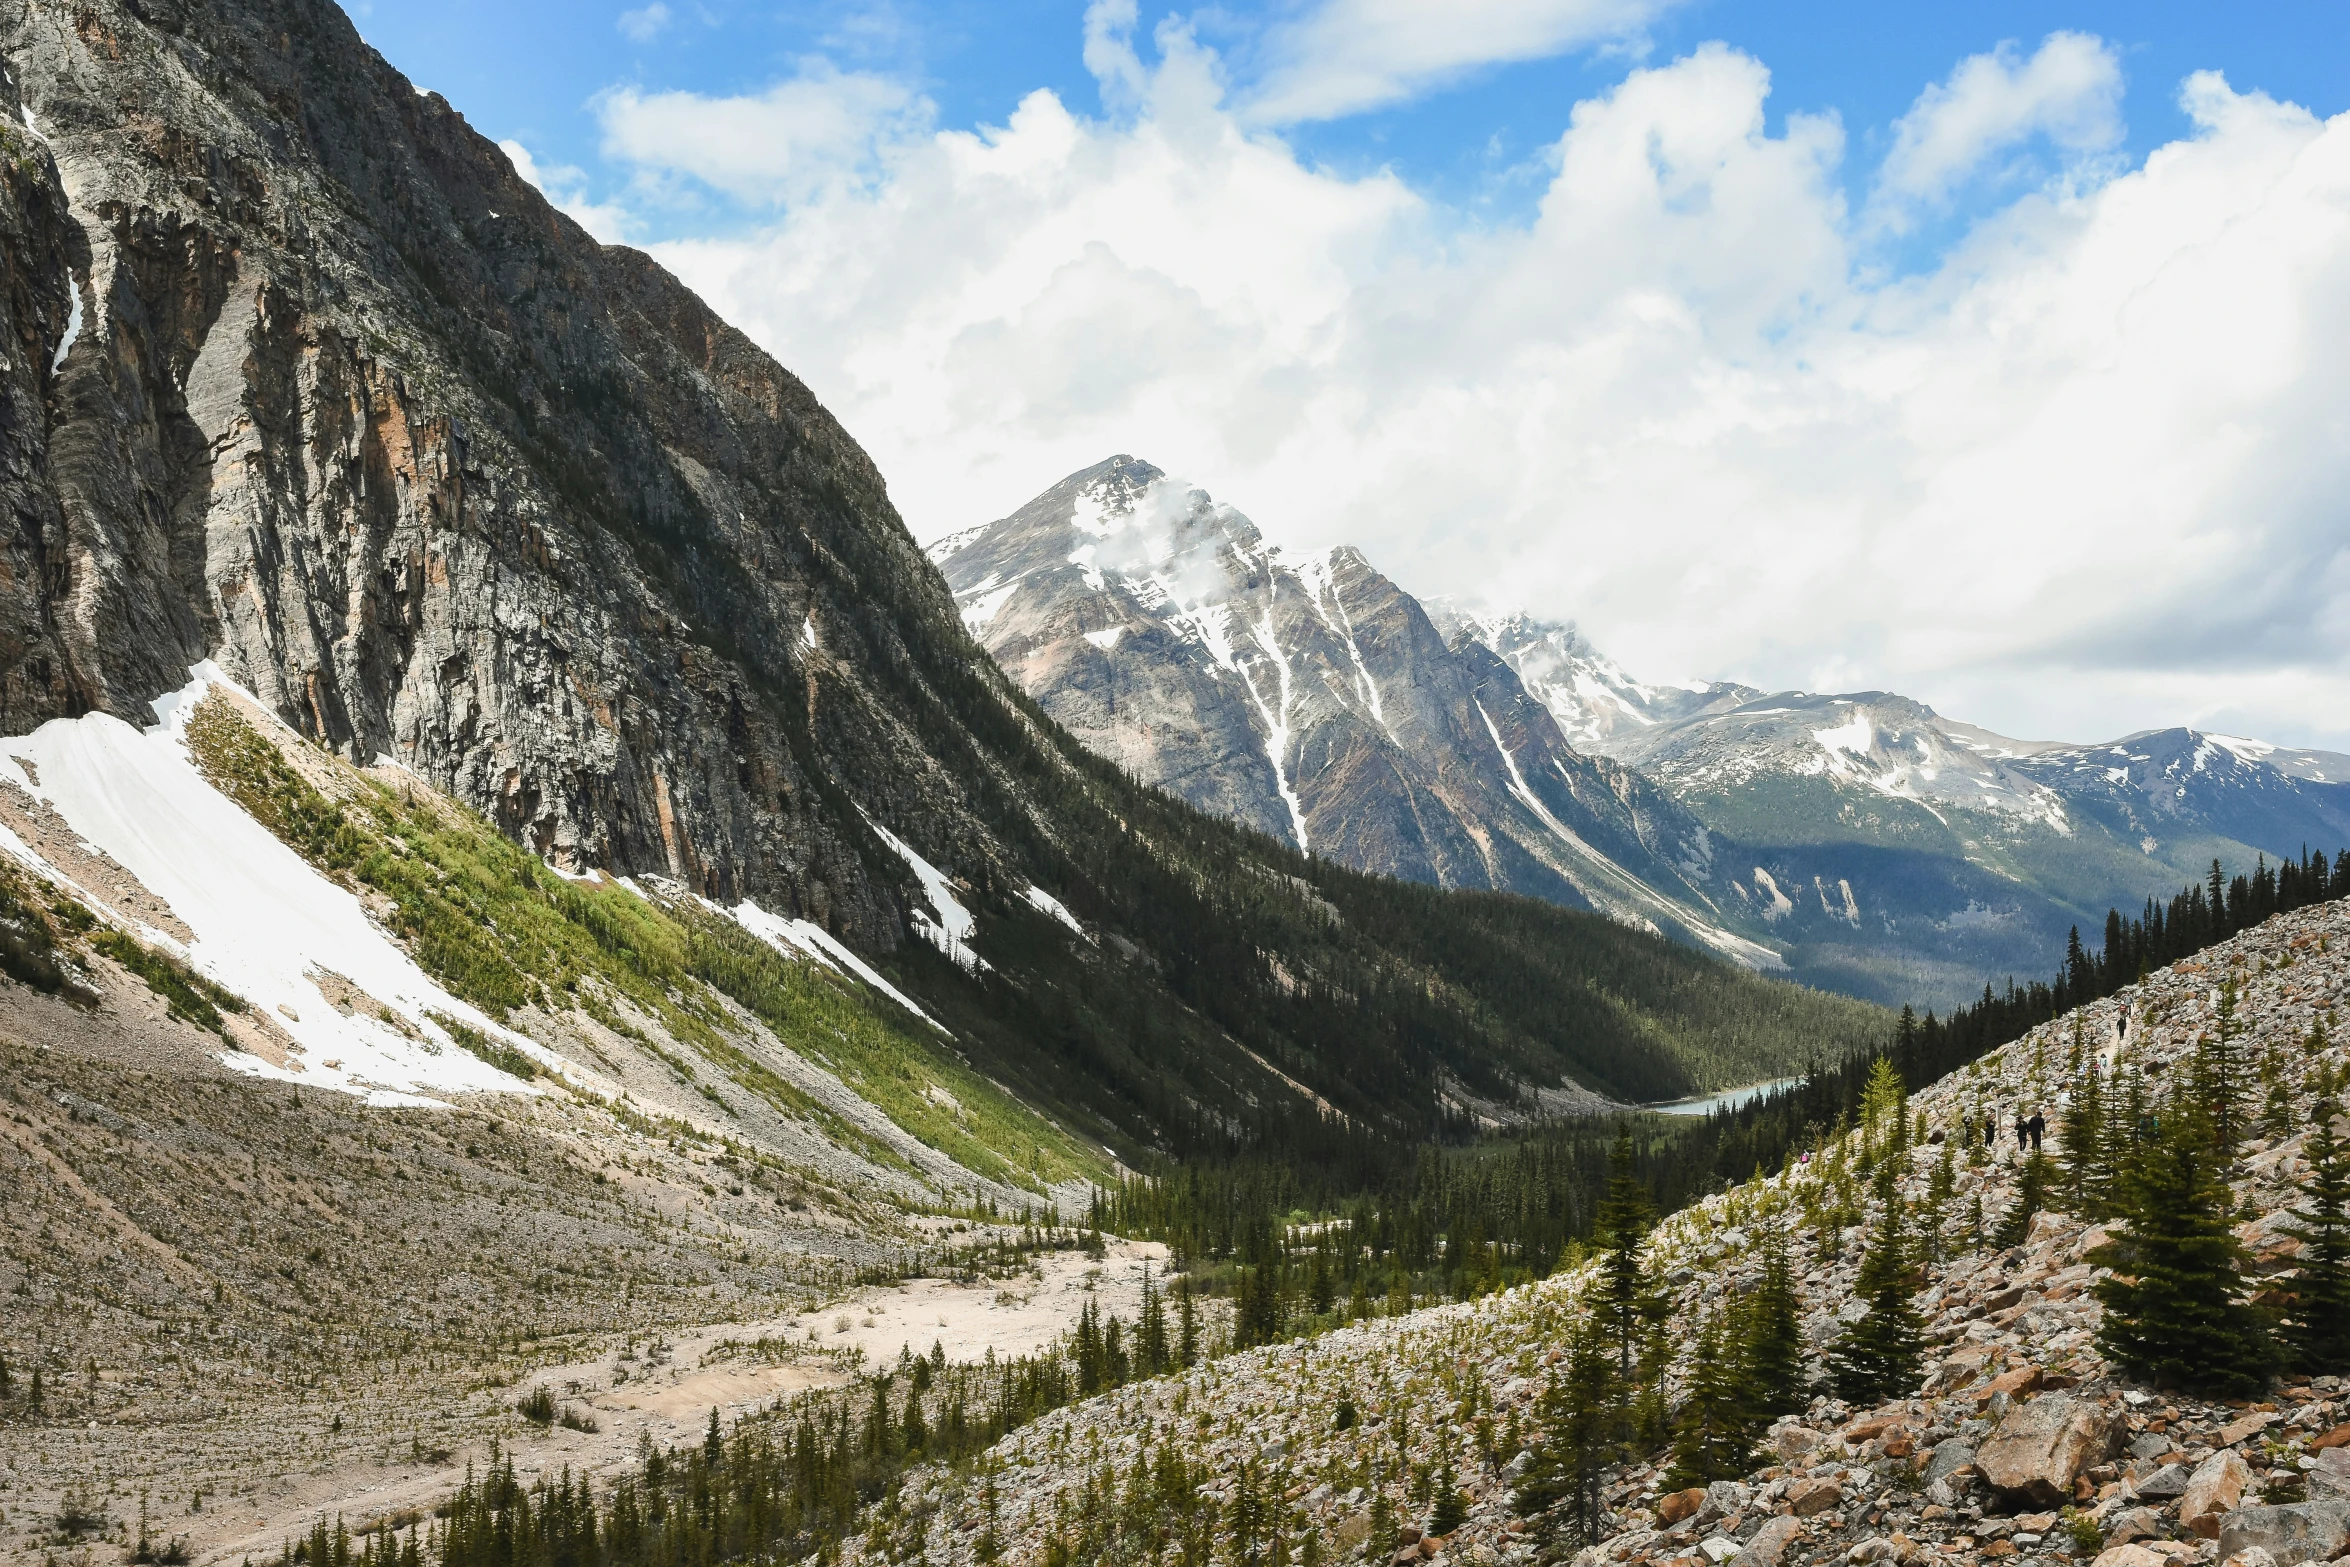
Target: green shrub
191,997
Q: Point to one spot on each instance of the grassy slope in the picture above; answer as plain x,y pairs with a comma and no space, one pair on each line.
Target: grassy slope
502,931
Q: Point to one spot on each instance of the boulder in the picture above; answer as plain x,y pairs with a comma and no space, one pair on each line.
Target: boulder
2022,1380
2301,1532
2129,1556
2165,1483
2250,1426
1671,1509
2213,1491
1792,1442
2133,1523
1947,1458
1770,1542
2040,1448
1722,1498
2339,1436
1810,1498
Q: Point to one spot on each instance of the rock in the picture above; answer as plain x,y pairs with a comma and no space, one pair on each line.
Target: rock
2302,1532
2165,1483
2016,1383
2129,1556
2339,1436
1810,1498
1947,1458
1770,1542
2251,1425
1680,1504
2039,1449
2251,1556
2149,1444
2215,1489
1719,1548
1792,1442
2133,1523
1722,1498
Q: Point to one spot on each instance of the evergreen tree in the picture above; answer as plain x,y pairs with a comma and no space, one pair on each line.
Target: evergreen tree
1150,1328
2175,1313
1582,1425
1186,1323
2220,1073
1448,1509
1771,1351
1621,1224
1880,1355
2031,1190
2317,1327
1247,1518
1713,1440
1934,1219
2082,1129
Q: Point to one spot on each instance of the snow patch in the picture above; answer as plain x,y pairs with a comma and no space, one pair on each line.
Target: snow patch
73,323
1045,903
1857,736
984,603
950,931
265,923
796,938
1776,903
1106,640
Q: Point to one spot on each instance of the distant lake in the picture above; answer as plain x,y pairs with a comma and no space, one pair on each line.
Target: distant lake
1727,1099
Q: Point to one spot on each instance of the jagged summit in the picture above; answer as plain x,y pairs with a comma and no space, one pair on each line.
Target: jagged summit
1314,700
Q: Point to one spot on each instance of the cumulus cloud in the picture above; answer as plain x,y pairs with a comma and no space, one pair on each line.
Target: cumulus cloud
2081,476
2069,91
1344,56
809,133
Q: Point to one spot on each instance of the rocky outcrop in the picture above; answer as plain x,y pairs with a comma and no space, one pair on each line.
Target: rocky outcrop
1316,701
2041,1448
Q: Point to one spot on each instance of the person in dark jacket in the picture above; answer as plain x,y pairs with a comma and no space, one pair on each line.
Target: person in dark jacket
2037,1125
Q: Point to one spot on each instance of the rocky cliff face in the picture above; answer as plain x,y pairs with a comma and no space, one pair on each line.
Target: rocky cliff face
344,405
1315,701
302,378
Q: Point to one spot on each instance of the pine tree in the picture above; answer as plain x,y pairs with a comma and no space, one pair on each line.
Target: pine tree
1150,1329
1714,1439
1771,1351
2219,1071
1449,1509
1186,1323
1247,1518
1582,1435
1884,1120
2083,1132
2031,1190
2175,1313
2317,1327
1621,1224
1880,1355
1941,1186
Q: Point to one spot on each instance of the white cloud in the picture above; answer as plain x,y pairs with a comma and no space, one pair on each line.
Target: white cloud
645,23
2070,91
2081,477
805,135
566,187
1343,56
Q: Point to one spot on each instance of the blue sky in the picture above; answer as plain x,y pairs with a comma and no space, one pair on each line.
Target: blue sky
530,70
1993,354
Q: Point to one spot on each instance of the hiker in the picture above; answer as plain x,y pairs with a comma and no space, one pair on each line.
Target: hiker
2038,1125
2023,1129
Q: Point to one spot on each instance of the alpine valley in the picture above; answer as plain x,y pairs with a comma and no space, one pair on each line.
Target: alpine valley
1860,842
570,997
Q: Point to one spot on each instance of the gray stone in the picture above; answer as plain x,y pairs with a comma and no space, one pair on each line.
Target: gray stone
1947,1457
1770,1543
2166,1484
2301,1532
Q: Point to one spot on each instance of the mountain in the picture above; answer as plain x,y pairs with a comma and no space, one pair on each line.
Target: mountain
1316,702
1896,848
508,849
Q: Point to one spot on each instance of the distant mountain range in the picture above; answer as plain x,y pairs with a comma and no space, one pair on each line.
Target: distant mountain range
1862,841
